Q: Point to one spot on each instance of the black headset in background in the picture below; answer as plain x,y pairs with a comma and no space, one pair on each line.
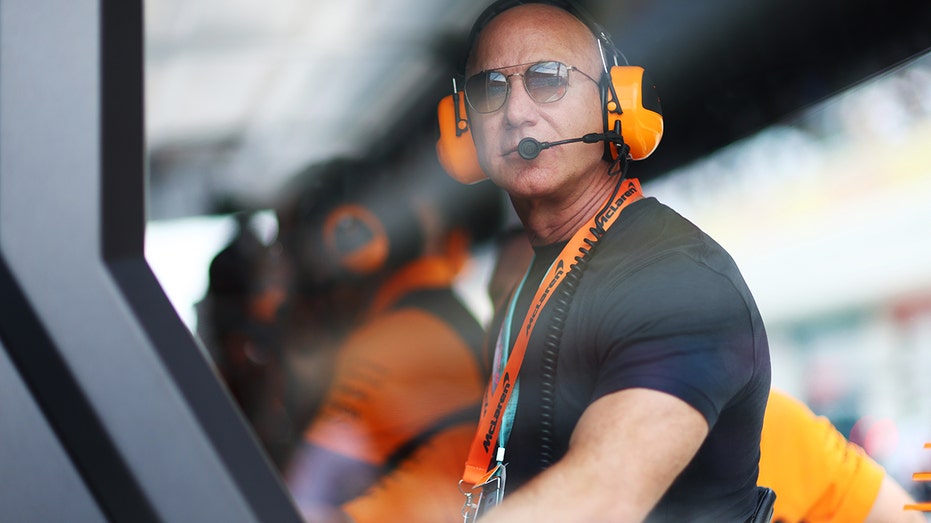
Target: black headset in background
350,218
340,221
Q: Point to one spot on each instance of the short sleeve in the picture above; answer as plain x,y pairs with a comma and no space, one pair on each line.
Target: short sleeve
687,331
817,474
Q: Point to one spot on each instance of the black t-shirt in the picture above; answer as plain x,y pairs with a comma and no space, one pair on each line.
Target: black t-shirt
662,306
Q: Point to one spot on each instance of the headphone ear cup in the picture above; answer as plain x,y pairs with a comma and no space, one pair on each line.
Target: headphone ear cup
355,239
641,115
455,148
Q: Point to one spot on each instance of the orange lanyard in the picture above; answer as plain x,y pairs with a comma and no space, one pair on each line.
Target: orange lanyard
485,442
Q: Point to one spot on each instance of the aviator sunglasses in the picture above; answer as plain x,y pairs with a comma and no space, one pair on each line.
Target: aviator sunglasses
545,82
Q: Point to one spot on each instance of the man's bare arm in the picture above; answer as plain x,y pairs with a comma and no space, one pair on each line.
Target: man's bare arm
625,452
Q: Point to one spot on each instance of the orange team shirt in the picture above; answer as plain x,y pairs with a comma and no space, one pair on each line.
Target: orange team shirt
397,375
424,489
817,474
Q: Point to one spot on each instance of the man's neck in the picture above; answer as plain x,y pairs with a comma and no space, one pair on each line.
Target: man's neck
552,220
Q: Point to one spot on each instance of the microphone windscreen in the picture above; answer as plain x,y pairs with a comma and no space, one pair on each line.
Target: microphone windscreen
528,148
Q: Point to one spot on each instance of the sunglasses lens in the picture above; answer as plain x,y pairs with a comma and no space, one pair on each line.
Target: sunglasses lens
486,91
547,81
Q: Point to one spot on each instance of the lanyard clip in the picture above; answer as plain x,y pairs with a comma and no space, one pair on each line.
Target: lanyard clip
483,496
469,508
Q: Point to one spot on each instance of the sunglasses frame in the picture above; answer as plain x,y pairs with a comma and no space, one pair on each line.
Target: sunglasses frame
523,77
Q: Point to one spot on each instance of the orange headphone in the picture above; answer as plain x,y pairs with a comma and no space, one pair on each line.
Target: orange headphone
339,222
355,239
631,105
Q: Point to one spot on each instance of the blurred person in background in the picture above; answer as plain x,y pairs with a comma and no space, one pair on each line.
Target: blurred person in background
819,476
239,322
377,256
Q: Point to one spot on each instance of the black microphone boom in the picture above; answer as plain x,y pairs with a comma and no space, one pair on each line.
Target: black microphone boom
529,148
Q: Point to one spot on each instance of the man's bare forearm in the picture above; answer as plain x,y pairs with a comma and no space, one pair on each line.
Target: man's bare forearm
626,451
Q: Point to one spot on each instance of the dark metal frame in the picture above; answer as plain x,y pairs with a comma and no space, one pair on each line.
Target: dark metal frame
109,409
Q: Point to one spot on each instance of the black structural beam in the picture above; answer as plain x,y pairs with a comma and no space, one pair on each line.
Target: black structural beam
109,409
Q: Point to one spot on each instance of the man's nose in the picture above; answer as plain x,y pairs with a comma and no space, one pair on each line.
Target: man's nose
519,108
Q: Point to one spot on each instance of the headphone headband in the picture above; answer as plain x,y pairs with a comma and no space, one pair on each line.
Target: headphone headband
496,8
